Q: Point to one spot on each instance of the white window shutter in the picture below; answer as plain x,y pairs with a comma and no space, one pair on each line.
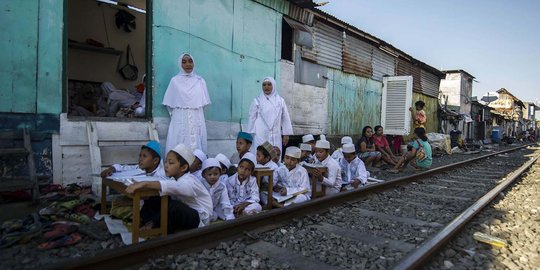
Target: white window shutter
396,100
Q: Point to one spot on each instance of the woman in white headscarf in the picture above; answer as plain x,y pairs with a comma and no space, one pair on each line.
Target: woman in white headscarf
185,98
269,118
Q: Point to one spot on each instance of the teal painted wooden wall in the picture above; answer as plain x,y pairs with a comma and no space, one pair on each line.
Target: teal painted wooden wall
31,53
354,102
235,44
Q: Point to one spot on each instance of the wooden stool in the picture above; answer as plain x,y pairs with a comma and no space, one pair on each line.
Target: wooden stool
314,192
136,197
259,174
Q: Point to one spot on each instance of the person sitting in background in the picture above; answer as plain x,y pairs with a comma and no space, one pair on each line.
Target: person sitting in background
225,165
419,154
353,170
366,148
211,171
243,189
306,153
332,179
338,153
243,144
149,162
195,168
382,145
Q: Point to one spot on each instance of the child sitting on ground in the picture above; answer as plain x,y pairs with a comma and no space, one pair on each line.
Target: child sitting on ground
296,179
332,180
149,163
366,149
243,144
225,165
190,204
338,154
306,155
243,189
421,161
195,168
211,171
353,171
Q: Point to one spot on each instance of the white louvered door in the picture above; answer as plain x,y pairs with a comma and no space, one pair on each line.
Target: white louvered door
396,100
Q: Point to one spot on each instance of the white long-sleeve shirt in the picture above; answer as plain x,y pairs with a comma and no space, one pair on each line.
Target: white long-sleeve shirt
333,180
220,200
245,191
192,192
295,180
272,166
356,170
159,172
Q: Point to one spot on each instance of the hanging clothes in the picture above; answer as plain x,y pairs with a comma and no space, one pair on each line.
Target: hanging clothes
269,118
185,98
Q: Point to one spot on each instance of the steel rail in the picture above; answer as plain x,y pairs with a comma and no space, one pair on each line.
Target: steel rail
208,236
425,251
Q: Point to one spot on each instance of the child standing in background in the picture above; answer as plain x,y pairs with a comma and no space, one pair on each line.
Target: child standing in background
419,116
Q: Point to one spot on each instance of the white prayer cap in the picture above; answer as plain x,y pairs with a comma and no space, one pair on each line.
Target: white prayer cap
200,154
209,163
250,157
307,138
305,147
224,160
348,148
346,140
293,151
184,152
323,144
322,137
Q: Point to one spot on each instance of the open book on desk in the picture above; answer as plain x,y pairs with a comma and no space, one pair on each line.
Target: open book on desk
128,180
312,165
280,198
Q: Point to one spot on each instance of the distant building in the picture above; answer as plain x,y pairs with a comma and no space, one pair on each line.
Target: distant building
455,95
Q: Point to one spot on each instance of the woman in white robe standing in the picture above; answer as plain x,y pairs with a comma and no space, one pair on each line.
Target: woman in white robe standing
269,118
185,98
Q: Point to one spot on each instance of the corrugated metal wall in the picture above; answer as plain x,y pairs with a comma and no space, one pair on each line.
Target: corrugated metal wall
357,57
328,45
430,84
406,68
353,102
301,15
383,64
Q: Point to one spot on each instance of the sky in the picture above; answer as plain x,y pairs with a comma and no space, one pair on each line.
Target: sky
496,41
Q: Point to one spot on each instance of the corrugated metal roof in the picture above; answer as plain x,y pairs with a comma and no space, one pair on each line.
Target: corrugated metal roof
357,57
301,14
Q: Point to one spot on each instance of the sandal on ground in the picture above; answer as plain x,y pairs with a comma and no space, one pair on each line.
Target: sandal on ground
93,230
66,240
59,230
75,217
85,209
10,239
394,171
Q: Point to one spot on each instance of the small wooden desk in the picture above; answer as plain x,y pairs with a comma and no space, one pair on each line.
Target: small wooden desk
139,194
259,174
314,192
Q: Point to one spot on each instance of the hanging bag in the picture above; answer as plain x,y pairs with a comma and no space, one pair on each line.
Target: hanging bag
128,71
420,152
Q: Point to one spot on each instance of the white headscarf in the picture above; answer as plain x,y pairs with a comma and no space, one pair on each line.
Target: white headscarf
270,105
186,90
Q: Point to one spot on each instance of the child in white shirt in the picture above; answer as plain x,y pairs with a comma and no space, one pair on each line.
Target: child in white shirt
149,163
332,179
195,168
190,204
296,178
211,171
353,170
243,189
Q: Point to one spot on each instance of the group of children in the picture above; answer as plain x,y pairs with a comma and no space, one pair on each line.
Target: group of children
202,190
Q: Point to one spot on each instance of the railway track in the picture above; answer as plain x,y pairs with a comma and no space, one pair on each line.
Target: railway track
399,223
